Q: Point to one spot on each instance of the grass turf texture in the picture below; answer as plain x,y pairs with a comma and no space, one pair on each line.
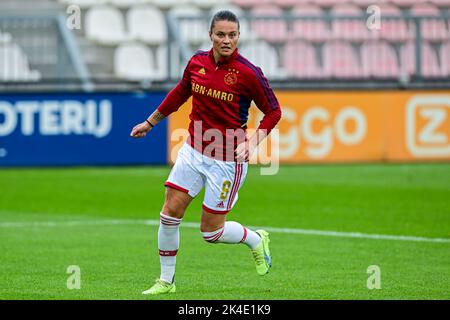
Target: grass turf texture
120,261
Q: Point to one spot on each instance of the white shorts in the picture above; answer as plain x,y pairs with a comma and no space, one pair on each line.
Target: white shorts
222,179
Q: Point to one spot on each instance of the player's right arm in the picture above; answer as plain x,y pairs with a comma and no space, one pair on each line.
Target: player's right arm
173,101
140,130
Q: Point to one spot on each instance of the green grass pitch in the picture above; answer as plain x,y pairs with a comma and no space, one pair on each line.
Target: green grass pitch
53,218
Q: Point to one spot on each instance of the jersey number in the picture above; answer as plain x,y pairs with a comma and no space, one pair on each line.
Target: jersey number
225,190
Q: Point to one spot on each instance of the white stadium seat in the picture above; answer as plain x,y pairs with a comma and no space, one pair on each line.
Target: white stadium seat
14,65
160,71
207,4
83,3
135,61
193,31
106,25
204,46
148,24
5,37
167,4
127,3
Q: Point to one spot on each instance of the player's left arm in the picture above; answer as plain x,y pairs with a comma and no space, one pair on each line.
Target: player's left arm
266,101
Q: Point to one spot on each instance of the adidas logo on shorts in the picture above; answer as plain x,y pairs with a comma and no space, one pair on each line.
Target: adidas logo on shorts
220,205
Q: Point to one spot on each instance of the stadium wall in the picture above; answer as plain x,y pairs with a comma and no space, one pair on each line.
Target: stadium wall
66,129
352,126
78,129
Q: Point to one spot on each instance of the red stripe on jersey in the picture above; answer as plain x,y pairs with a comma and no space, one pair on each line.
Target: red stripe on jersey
174,186
168,253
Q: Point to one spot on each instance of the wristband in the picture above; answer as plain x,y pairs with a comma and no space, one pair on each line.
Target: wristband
149,123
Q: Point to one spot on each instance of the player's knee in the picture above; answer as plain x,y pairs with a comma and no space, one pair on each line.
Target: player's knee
173,210
175,203
212,236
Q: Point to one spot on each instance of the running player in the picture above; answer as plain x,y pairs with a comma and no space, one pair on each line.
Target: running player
223,84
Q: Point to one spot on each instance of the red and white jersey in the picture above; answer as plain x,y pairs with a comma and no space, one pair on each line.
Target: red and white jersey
221,96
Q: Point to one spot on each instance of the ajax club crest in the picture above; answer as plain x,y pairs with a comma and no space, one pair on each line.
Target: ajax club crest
231,77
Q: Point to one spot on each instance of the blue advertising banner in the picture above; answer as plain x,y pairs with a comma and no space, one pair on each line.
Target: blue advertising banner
79,129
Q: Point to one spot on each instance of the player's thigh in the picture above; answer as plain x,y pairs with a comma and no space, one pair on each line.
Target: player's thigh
185,175
184,182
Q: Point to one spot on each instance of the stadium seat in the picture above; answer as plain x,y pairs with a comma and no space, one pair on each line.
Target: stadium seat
271,30
135,61
168,4
123,4
148,24
161,55
406,3
299,60
5,37
395,30
14,65
366,3
83,3
430,65
208,4
431,29
249,3
354,29
445,58
287,4
379,60
329,3
105,24
204,46
264,56
441,3
340,60
194,31
311,30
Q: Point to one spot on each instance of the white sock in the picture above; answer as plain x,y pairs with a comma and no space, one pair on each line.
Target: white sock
233,232
168,243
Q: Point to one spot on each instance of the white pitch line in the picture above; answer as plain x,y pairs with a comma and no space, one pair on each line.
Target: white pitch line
196,225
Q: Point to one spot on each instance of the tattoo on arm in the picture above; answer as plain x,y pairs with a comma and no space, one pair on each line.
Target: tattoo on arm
156,117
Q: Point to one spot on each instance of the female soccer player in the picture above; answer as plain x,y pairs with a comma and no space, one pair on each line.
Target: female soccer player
223,84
